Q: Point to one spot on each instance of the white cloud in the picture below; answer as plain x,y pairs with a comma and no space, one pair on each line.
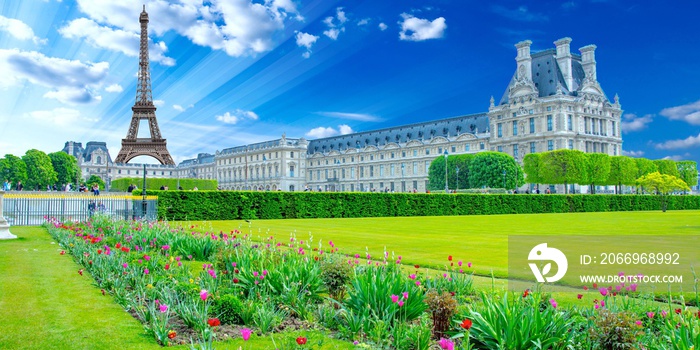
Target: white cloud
689,113
323,132
306,40
345,129
363,22
335,29
179,108
58,116
351,116
520,14
114,39
158,103
419,29
114,88
633,153
237,116
237,27
690,141
19,30
630,122
383,26
676,157
70,81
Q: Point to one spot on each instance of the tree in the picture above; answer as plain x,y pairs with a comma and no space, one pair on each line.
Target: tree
13,169
94,179
663,185
40,171
644,166
623,171
597,169
486,169
688,172
66,167
667,166
436,172
563,166
531,167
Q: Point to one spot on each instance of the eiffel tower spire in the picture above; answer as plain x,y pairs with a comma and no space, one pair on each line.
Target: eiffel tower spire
155,145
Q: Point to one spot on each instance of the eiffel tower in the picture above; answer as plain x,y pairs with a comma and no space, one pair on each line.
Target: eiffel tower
154,146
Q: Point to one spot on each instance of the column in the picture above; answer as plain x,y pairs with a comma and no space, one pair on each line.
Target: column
4,226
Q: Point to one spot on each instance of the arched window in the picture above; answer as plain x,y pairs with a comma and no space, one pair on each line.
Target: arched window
99,160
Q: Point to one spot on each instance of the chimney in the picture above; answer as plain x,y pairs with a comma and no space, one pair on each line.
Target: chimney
524,60
564,60
588,61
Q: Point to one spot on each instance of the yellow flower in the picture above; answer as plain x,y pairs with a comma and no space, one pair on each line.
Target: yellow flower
171,259
191,280
149,286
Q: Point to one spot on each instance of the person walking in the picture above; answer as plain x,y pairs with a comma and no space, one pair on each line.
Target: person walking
6,185
19,186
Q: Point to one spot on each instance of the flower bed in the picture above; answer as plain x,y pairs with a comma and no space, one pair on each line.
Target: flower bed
187,286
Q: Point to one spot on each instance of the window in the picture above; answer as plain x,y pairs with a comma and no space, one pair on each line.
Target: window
427,166
481,146
570,122
454,149
318,174
571,144
500,130
533,148
415,168
499,148
439,150
381,170
381,156
392,155
99,160
343,160
403,169
514,114
466,148
427,151
614,150
532,125
391,170
515,128
515,151
362,172
371,157
550,145
549,122
291,154
342,173
613,128
119,171
371,171
549,108
326,173
415,153
600,124
352,173
403,154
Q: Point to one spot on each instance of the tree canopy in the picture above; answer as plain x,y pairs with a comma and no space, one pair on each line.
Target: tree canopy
563,166
13,168
531,166
40,172
667,166
94,179
688,172
487,169
597,169
66,167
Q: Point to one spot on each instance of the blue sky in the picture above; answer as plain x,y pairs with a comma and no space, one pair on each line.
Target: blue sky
231,72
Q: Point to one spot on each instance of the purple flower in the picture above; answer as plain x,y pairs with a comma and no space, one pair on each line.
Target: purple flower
603,291
245,333
405,295
394,298
204,294
446,344
163,308
553,302
145,271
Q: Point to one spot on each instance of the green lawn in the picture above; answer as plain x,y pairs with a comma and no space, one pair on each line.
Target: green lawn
46,304
480,239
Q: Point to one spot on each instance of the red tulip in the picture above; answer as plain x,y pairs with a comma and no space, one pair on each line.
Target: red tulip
678,311
213,322
301,340
172,334
466,324
449,257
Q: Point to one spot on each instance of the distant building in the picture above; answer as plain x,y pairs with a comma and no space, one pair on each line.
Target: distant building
554,101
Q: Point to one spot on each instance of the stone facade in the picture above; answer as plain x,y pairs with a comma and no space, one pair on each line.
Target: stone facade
553,101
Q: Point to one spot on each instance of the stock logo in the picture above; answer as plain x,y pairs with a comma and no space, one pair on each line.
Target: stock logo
541,253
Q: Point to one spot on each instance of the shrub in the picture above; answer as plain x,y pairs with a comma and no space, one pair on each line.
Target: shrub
336,273
442,306
228,309
613,331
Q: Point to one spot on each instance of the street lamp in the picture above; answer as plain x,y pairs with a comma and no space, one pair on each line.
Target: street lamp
447,190
403,181
504,179
457,169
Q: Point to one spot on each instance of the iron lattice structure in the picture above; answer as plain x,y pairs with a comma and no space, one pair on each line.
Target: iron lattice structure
144,109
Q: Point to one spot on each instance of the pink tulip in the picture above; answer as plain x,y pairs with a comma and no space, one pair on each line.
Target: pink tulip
245,333
400,303
394,298
446,344
204,294
603,291
553,302
163,308
405,295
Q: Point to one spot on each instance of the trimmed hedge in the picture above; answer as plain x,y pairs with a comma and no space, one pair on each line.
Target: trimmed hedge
234,205
155,183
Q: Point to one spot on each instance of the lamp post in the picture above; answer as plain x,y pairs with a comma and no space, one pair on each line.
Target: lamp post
504,179
447,189
457,169
403,181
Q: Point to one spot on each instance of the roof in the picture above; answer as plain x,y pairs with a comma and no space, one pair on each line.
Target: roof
450,127
546,74
93,146
260,145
